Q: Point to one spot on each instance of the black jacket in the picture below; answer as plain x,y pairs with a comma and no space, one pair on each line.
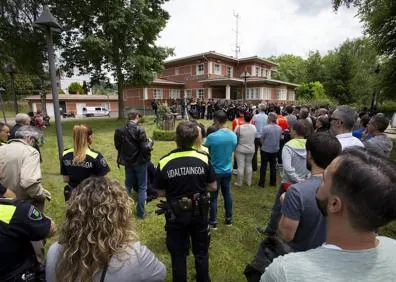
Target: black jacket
132,145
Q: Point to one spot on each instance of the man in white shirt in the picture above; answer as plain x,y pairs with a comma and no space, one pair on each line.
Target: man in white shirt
357,196
341,125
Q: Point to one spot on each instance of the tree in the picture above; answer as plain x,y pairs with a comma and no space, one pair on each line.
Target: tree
314,67
379,21
85,87
117,37
311,90
76,88
291,68
20,43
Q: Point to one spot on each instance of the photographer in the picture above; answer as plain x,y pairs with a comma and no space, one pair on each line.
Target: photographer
185,176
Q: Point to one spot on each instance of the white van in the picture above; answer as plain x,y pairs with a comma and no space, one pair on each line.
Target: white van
95,112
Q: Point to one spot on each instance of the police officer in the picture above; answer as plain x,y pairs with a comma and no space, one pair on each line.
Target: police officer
81,162
185,176
21,223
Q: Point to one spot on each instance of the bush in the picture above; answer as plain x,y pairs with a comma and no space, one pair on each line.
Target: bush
164,135
76,87
387,107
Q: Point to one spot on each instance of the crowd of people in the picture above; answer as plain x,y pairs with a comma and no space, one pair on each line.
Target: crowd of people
337,187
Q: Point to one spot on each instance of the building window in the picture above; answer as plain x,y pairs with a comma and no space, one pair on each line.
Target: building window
176,71
269,74
157,94
201,93
253,94
217,69
267,93
258,70
282,94
174,93
200,69
188,93
229,71
291,95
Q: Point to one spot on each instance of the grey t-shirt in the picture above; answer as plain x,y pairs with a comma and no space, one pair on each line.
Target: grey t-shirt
137,264
324,264
246,134
270,137
300,204
291,120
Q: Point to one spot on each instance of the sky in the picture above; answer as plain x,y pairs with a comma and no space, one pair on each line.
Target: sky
266,27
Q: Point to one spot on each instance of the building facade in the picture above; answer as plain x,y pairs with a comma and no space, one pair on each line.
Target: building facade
75,103
213,75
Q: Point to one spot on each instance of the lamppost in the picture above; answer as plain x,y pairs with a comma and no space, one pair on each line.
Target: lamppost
11,71
2,90
48,23
245,75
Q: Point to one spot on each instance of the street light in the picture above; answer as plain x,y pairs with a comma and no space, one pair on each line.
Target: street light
11,70
245,75
2,90
48,23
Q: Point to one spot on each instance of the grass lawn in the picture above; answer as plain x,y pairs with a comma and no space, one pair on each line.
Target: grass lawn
231,247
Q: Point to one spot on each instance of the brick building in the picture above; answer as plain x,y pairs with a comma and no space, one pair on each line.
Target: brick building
212,75
75,103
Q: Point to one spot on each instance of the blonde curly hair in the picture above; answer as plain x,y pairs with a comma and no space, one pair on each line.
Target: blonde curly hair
97,226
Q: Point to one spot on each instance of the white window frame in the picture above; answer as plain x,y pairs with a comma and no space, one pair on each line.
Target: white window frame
174,93
282,94
258,70
188,93
199,71
268,74
230,71
217,69
253,94
291,95
157,93
200,93
267,93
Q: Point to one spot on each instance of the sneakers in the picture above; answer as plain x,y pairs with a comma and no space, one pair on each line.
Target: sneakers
228,222
213,226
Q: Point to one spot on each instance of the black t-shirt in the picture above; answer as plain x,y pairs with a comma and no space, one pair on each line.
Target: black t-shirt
20,223
184,173
93,165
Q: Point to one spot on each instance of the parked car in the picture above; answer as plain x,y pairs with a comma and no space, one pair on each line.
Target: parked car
95,112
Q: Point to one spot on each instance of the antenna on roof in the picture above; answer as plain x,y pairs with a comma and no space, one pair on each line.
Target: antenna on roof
237,45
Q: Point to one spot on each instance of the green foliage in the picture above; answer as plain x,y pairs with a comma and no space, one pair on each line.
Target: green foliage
291,68
315,70
75,88
379,21
164,135
117,37
61,92
311,90
388,107
319,103
162,112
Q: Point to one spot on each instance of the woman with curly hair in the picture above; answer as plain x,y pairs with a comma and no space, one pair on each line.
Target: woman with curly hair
97,241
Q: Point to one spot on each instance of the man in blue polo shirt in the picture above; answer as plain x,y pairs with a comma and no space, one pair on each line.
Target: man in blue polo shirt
221,145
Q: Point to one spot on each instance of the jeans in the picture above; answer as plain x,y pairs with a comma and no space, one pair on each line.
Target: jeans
223,184
244,164
136,179
257,146
265,158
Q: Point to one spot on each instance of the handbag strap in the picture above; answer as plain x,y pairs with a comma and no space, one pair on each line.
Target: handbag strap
102,278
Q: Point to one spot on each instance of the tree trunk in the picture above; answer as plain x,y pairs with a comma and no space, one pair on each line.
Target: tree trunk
43,97
120,82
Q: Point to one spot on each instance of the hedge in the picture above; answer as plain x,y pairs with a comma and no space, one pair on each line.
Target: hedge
164,135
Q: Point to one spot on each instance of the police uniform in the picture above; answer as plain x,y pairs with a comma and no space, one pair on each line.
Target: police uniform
20,223
93,165
184,175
